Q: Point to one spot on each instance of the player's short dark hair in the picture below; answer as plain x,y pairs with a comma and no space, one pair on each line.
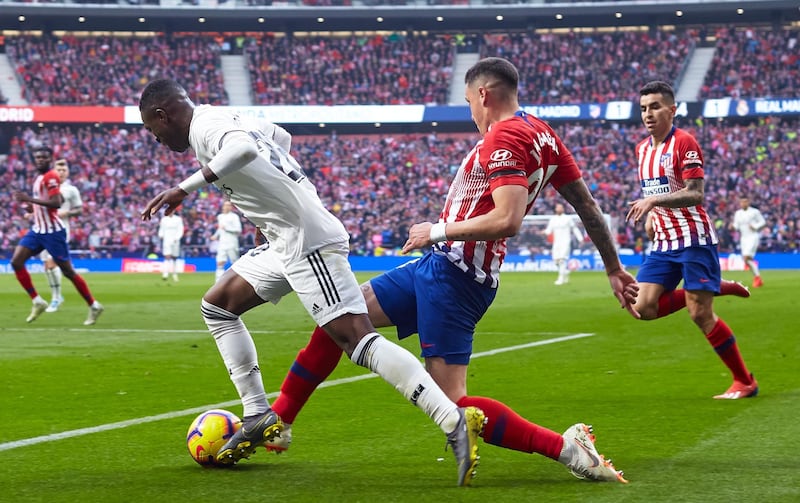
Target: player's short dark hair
658,87
498,68
158,91
42,148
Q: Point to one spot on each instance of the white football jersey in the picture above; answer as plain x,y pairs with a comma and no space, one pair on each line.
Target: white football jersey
748,222
170,228
563,227
229,226
72,200
271,191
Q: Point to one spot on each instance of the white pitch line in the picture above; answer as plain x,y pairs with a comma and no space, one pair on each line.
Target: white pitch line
204,331
196,410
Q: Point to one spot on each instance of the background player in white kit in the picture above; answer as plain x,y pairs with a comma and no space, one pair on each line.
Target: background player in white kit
562,227
71,207
748,222
170,231
229,228
307,252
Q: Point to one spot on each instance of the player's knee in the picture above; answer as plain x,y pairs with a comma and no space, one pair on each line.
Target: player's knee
702,316
648,311
348,330
215,315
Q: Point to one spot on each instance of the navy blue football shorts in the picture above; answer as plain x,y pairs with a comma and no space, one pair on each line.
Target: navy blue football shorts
432,297
697,266
55,243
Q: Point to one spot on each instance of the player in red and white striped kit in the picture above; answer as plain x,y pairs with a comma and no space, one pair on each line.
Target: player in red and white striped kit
684,239
444,294
47,233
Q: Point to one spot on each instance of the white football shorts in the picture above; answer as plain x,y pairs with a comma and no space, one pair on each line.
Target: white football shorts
228,254
561,251
171,248
749,246
323,280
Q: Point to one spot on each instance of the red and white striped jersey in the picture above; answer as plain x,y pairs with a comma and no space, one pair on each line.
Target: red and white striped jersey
46,220
522,150
663,170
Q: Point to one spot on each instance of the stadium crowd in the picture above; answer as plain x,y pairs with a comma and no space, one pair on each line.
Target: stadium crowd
380,184
414,68
595,67
112,70
352,70
754,63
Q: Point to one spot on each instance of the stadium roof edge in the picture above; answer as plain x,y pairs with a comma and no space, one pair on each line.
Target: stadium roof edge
116,17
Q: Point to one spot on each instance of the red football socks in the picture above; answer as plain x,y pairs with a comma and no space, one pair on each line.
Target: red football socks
313,364
83,289
669,302
506,428
724,343
24,278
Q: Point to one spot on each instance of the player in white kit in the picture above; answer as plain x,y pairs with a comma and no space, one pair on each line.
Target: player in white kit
229,228
71,207
562,228
170,231
748,222
306,252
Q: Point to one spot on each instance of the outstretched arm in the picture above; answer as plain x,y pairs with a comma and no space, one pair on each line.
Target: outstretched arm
504,220
55,200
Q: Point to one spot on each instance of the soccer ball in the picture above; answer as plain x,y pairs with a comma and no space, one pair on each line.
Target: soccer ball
209,432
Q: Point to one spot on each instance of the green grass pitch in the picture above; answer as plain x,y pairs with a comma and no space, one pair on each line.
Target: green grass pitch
123,393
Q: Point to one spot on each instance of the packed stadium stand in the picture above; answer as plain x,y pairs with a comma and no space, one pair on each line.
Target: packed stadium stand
111,70
379,184
591,67
754,62
351,70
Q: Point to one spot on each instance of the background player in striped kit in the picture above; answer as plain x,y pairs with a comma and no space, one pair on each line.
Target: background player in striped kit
47,233
684,239
71,207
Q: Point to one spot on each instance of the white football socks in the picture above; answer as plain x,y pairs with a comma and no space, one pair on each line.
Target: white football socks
238,351
753,267
168,267
563,271
567,454
402,370
54,280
